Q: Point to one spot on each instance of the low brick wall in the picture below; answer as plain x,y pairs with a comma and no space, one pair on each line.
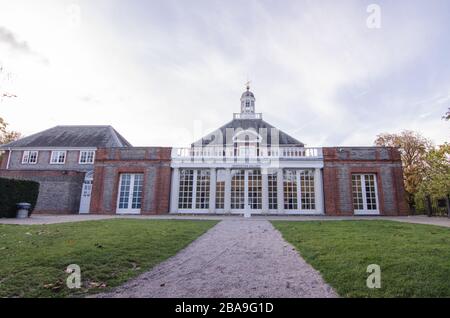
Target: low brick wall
59,191
341,162
152,162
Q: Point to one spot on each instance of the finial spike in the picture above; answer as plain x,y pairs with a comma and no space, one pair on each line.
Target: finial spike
248,85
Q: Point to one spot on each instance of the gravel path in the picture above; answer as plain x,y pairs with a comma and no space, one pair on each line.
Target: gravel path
236,258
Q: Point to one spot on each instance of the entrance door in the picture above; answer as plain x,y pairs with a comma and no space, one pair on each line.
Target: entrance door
246,191
86,190
365,194
130,193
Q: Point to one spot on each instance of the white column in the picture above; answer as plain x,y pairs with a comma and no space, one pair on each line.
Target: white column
318,190
280,192
265,191
227,190
174,190
212,191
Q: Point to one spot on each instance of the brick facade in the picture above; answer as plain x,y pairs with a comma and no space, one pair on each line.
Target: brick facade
152,162
60,190
341,162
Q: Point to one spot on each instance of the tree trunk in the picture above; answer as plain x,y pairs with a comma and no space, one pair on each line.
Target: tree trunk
429,206
448,206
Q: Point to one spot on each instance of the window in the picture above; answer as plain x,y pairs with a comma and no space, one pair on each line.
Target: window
193,191
290,189
358,203
29,157
130,192
137,191
307,190
255,189
202,190
58,157
87,157
186,189
364,193
238,189
220,189
124,194
273,191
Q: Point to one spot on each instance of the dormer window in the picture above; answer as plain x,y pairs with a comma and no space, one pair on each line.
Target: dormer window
58,157
29,157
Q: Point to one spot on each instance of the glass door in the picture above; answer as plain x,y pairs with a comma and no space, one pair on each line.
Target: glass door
365,195
130,193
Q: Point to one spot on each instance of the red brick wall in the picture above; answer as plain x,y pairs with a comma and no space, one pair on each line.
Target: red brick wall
341,162
152,162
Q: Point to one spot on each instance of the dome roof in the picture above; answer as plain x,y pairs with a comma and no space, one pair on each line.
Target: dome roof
247,94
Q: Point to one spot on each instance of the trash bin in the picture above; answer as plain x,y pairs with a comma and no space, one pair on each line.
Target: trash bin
23,209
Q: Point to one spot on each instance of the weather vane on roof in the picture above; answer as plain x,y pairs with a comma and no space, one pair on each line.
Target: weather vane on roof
247,85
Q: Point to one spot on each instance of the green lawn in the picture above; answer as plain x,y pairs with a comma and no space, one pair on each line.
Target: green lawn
33,258
414,258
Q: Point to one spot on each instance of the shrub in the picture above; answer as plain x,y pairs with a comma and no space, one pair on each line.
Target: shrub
15,191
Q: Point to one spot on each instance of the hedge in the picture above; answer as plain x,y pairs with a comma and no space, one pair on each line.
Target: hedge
15,191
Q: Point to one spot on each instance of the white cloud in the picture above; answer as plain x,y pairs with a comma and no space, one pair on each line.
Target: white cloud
317,71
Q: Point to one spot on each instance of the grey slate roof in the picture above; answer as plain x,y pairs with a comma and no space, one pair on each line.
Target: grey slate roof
249,124
73,136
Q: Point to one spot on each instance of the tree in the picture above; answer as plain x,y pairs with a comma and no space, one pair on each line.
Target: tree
413,148
436,181
6,135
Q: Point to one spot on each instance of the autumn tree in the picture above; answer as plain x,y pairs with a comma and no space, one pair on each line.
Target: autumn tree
7,135
413,148
436,181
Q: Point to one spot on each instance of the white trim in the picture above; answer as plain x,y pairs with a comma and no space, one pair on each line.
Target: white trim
175,188
9,158
53,148
246,132
86,163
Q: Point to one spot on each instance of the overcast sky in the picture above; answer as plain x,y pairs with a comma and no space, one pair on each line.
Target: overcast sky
165,72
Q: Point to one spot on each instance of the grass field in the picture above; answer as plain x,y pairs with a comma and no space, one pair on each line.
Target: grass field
33,259
414,258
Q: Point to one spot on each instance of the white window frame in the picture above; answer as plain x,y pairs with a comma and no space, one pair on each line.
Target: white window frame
27,155
87,162
52,155
365,211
